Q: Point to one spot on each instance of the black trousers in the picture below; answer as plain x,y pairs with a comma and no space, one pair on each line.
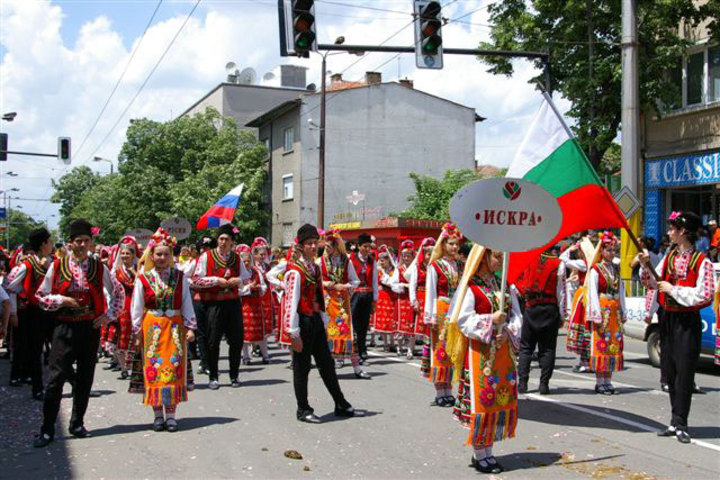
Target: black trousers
680,338
360,307
224,318
540,327
34,329
201,337
315,344
72,342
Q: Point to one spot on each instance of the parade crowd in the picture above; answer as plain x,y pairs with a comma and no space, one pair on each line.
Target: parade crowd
151,309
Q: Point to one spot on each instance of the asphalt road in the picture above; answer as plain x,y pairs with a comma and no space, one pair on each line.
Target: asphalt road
245,432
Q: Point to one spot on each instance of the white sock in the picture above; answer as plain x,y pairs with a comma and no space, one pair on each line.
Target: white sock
488,451
356,368
264,349
158,412
599,380
480,454
246,351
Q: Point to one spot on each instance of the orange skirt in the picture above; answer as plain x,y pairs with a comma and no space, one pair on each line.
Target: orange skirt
164,360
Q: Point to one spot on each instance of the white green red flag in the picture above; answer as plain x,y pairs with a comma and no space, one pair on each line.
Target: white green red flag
551,157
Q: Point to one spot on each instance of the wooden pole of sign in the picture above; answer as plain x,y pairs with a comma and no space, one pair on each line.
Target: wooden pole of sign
503,287
634,239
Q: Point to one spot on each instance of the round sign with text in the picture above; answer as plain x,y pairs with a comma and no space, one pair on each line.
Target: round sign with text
178,227
506,214
142,235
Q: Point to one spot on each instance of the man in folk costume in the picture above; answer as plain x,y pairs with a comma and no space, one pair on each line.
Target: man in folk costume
125,269
252,291
34,324
339,279
205,244
416,276
76,288
386,311
276,278
443,274
542,286
304,309
605,313
217,278
406,313
578,333
365,296
482,340
163,321
686,287
261,251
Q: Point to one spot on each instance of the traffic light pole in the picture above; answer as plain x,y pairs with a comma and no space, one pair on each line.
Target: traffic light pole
321,156
30,154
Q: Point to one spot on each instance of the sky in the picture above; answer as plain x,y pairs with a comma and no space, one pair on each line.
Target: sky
60,61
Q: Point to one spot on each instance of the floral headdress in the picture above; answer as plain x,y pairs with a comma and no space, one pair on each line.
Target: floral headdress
607,238
127,242
383,250
449,231
420,257
259,242
407,245
161,237
333,236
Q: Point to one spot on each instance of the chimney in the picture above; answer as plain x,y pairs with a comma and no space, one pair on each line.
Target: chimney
372,78
406,82
336,78
292,76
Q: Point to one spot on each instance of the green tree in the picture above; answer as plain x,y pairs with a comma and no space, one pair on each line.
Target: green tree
19,226
431,199
70,189
583,39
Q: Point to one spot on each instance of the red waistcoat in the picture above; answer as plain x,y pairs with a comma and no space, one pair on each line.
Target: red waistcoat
538,282
421,277
311,289
326,273
150,295
94,298
34,275
216,267
364,270
443,284
690,280
482,303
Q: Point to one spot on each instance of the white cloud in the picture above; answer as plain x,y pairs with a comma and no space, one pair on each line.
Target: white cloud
58,89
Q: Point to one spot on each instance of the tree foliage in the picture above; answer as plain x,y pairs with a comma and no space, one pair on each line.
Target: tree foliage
19,226
177,168
70,189
592,82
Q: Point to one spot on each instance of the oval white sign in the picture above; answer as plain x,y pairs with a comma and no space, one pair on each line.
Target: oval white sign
142,235
506,214
178,227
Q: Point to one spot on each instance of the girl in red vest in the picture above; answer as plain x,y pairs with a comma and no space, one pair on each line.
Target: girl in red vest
386,313
686,287
125,270
443,275
406,313
260,252
252,292
163,321
416,276
578,336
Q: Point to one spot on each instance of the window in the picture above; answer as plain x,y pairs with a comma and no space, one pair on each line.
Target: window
714,74
287,187
288,139
695,74
698,77
288,234
266,142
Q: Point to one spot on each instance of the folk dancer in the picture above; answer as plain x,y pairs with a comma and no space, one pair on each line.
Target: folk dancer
542,286
125,270
578,332
252,291
364,298
276,278
386,312
406,314
163,321
416,276
489,337
442,280
76,288
217,278
260,251
686,287
205,244
605,313
34,325
304,307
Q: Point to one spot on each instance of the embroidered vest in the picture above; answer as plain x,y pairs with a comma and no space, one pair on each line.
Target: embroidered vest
34,276
447,280
162,298
92,302
217,267
608,284
538,282
311,290
364,271
335,273
690,280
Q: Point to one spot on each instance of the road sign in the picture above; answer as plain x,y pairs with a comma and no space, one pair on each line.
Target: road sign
178,227
3,212
627,201
506,214
142,235
356,197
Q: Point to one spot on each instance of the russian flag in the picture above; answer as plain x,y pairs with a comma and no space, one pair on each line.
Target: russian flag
223,211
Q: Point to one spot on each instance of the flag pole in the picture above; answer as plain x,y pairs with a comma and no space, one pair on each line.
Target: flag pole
503,287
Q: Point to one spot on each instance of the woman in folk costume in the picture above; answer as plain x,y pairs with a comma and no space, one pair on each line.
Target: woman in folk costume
483,337
443,275
125,271
406,313
416,276
605,314
163,322
252,292
578,335
276,278
386,312
716,309
261,257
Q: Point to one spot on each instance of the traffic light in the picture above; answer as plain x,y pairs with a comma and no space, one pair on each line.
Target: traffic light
297,27
3,146
63,151
428,37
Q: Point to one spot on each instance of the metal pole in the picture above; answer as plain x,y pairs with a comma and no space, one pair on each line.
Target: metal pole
321,159
6,204
630,93
112,168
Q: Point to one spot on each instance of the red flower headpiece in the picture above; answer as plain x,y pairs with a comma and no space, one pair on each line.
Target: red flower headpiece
243,248
162,237
259,242
407,245
607,238
450,230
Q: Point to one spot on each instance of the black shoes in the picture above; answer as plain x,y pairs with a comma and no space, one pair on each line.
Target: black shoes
683,436
42,440
235,383
80,432
265,361
580,369
347,412
522,387
363,375
307,416
159,424
446,401
668,432
664,387
171,425
604,390
486,465
213,385
110,366
544,389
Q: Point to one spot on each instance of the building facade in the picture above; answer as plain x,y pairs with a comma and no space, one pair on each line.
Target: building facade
376,134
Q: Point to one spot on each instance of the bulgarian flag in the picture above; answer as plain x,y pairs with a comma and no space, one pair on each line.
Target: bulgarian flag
223,211
551,157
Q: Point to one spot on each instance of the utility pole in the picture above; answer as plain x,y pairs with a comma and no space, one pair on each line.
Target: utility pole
321,156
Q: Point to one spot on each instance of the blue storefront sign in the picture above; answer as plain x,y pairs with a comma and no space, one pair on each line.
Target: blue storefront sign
687,170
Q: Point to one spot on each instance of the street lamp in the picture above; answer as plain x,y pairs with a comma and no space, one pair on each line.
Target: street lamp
9,117
100,159
12,174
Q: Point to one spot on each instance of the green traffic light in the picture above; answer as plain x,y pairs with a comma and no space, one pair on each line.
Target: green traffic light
431,45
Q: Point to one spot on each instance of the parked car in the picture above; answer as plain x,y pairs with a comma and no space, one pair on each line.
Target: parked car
635,326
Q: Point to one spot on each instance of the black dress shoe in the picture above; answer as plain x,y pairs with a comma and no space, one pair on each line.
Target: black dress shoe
664,387
159,424
344,412
697,389
110,366
493,462
483,466
42,440
265,361
449,401
668,432
683,436
522,387
362,374
39,396
544,389
235,383
602,390
171,425
308,416
80,432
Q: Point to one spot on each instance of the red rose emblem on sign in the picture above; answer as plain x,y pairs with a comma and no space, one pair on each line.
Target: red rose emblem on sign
512,190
